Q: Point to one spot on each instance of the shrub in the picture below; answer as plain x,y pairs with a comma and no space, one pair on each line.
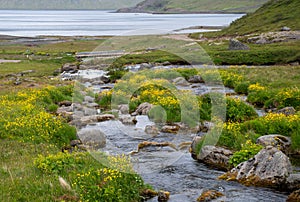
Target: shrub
242,87
248,151
239,111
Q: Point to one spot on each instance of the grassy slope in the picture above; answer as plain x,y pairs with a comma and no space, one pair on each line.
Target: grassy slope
66,4
173,6
270,17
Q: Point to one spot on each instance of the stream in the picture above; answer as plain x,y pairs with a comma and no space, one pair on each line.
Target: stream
171,168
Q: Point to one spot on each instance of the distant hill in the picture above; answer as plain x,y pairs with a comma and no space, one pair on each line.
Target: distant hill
66,4
196,6
270,17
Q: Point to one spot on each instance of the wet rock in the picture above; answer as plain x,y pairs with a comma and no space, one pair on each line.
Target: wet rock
196,79
215,156
151,129
209,195
193,147
281,142
127,119
163,196
68,67
93,138
294,197
180,81
105,79
293,182
237,45
170,129
123,109
143,109
287,111
148,193
269,168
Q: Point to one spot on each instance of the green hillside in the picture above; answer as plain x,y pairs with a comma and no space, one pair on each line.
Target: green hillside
66,4
188,6
270,17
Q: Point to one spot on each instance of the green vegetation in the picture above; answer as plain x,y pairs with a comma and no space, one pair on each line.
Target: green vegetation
187,6
248,151
271,17
66,4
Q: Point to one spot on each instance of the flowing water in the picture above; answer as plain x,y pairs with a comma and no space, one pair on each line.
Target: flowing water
171,168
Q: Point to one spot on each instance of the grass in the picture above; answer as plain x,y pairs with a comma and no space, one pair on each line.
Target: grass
272,16
229,6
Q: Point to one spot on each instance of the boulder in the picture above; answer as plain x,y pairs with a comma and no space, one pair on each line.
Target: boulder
293,182
285,28
170,129
89,111
68,67
127,119
209,195
65,103
237,45
105,79
196,79
281,142
269,168
92,138
261,41
287,111
193,147
163,196
215,156
143,109
123,109
105,117
89,99
151,129
180,81
294,197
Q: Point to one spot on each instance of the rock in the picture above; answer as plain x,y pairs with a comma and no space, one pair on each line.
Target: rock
89,99
215,156
146,66
261,41
285,28
92,105
123,109
85,120
293,182
143,109
287,111
151,129
269,168
170,129
196,79
65,103
294,64
237,45
282,143
68,67
294,197
105,79
75,143
209,195
89,111
206,126
93,138
127,119
193,147
63,110
163,196
180,81
105,117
